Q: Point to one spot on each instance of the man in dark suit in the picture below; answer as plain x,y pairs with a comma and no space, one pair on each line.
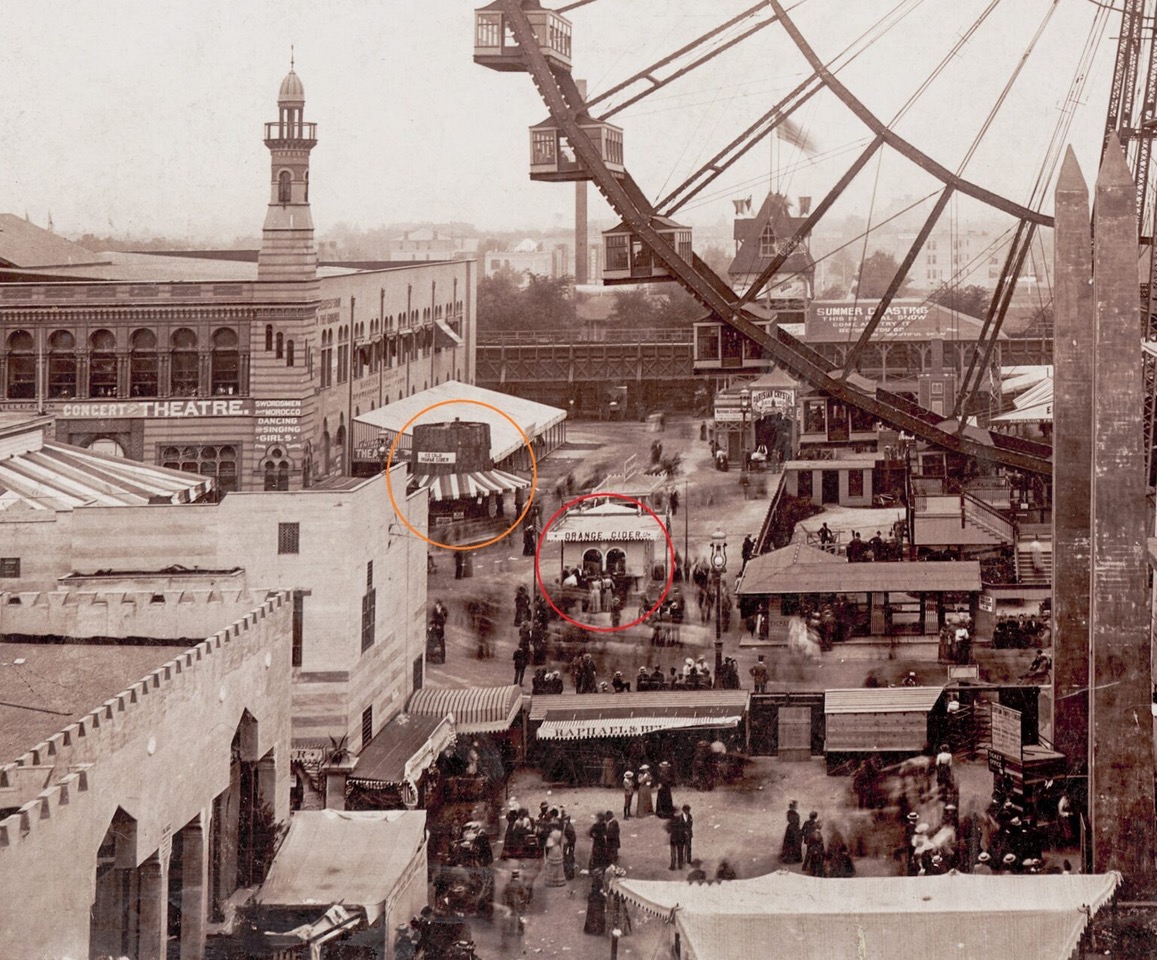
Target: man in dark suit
612,836
688,831
675,835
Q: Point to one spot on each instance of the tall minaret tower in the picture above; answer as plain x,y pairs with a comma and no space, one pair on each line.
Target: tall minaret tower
287,247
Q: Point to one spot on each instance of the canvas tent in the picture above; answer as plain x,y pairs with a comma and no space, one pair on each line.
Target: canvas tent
901,918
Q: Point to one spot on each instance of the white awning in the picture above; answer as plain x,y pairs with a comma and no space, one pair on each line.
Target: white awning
533,418
593,728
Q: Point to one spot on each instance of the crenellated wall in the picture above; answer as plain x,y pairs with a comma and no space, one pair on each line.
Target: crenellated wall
160,750
340,532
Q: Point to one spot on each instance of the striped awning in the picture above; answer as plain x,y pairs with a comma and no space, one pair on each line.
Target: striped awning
595,716
474,709
459,486
56,476
402,749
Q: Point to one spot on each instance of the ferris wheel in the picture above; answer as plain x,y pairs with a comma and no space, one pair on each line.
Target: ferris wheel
920,112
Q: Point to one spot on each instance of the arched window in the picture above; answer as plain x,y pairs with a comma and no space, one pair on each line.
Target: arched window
325,448
21,366
284,186
339,444
225,363
143,379
184,379
280,346
307,186
268,337
61,365
107,446
289,353
102,364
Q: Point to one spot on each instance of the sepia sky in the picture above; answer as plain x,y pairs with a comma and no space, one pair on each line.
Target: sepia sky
144,117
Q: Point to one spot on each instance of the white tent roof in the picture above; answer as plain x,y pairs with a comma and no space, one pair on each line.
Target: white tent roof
902,918
534,418
352,858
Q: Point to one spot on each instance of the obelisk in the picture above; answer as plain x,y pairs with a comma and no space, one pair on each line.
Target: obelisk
1120,725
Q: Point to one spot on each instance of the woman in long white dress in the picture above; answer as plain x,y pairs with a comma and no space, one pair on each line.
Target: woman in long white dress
554,860
643,807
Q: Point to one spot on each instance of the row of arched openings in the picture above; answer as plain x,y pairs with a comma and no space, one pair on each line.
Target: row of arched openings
279,345
94,369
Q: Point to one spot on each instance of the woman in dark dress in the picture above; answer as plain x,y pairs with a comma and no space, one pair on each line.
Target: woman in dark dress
664,804
596,922
600,852
792,851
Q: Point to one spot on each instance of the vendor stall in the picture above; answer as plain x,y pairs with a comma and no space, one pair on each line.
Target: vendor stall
581,738
895,721
865,599
610,538
343,879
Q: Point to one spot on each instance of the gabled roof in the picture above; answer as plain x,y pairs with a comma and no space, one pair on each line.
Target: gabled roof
748,232
23,244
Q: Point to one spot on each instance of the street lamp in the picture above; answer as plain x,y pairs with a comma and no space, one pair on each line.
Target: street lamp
744,407
718,568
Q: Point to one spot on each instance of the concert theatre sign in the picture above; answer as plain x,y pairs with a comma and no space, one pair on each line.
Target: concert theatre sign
153,409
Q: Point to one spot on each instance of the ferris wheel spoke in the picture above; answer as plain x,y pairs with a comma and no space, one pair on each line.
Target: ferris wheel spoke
648,74
898,143
896,281
741,145
813,218
994,317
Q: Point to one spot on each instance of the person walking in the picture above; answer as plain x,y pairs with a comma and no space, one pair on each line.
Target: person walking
643,807
516,897
675,841
813,861
792,850
569,838
600,855
664,803
596,920
688,831
759,675
628,793
555,871
613,837
520,658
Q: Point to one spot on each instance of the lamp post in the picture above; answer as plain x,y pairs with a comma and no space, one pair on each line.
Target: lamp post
744,407
718,568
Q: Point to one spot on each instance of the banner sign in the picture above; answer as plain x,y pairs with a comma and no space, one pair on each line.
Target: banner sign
278,421
160,409
437,456
845,320
1006,731
598,536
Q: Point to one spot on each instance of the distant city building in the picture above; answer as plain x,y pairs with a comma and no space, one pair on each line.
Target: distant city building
426,243
529,258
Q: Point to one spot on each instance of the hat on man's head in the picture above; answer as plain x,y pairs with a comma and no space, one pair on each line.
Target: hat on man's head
913,816
984,857
1010,858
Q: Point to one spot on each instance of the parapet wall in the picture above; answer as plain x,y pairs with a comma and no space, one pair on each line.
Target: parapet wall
184,711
